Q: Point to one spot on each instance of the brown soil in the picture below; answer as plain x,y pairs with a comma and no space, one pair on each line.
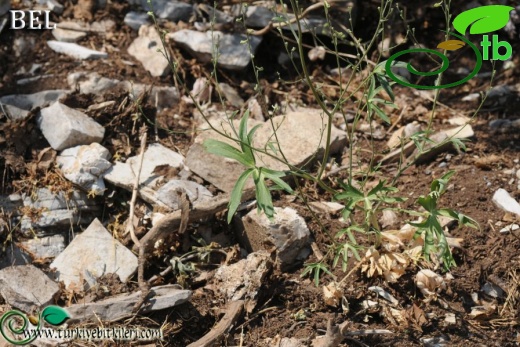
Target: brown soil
486,255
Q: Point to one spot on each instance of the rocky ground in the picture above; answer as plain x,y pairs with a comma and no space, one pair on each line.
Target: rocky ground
77,100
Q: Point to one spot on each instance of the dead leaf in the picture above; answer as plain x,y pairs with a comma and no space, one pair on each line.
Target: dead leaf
487,163
332,294
429,283
46,158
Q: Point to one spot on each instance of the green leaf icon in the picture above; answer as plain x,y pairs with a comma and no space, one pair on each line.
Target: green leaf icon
483,19
54,315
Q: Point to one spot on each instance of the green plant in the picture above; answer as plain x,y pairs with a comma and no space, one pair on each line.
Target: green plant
434,238
363,198
245,155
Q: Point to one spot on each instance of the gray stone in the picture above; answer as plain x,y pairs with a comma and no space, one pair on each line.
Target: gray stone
244,279
53,219
29,101
232,54
65,35
92,254
504,201
499,95
123,174
10,203
47,200
231,95
493,290
327,207
103,26
301,139
23,45
172,10
13,256
288,233
75,50
120,306
55,210
45,247
135,19
64,127
168,196
85,165
217,16
161,97
25,287
14,113
55,6
500,123
5,5
93,83
144,48
255,16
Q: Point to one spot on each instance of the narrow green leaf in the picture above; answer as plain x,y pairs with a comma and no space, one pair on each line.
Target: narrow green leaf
225,150
281,183
263,196
236,193
386,86
381,114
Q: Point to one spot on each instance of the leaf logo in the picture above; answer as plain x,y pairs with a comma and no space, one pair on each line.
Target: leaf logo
54,315
483,19
479,20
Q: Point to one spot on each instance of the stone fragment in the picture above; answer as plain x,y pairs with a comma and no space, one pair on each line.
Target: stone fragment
55,6
45,247
288,233
23,45
231,95
47,200
493,291
144,48
243,280
92,254
135,19
14,113
64,127
26,287
168,196
172,10
5,5
29,101
152,188
300,138
85,165
509,228
75,51
64,35
93,83
12,255
123,174
232,54
327,207
504,201
10,203
57,210
384,294
255,16
120,306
